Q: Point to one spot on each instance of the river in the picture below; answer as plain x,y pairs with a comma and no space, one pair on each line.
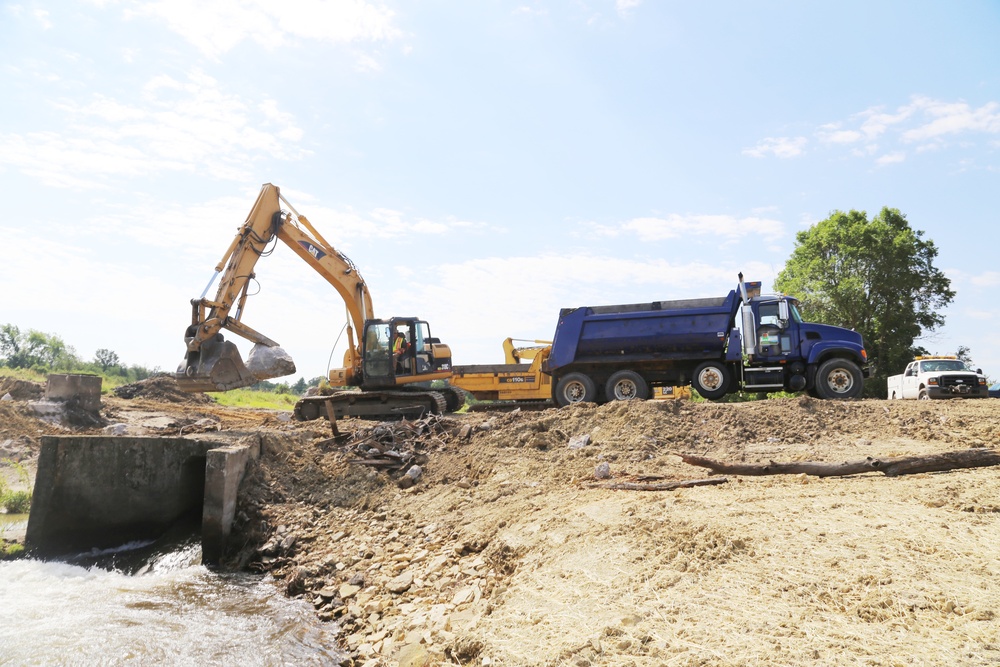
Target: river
171,611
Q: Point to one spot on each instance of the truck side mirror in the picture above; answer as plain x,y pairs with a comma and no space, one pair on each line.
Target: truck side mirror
783,313
979,371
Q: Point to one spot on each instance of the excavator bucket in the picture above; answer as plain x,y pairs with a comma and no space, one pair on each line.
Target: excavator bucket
218,366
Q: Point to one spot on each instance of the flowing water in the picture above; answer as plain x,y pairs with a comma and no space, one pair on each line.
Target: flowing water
171,610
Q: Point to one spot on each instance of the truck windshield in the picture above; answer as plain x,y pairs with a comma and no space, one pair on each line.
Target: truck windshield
938,365
794,309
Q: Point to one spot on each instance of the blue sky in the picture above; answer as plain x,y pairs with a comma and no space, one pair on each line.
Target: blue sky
483,163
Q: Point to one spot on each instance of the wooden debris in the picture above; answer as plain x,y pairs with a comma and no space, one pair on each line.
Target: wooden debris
395,447
659,486
891,467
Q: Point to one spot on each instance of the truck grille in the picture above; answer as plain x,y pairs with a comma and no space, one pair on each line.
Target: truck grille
958,381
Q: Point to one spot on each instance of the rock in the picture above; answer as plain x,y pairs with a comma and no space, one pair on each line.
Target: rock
580,441
462,596
296,583
348,591
410,478
357,580
7,397
269,362
401,583
602,471
116,429
413,655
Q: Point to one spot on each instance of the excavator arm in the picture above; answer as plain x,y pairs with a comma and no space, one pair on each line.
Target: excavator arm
214,364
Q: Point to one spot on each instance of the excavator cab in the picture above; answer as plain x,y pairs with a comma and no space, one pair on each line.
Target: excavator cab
402,351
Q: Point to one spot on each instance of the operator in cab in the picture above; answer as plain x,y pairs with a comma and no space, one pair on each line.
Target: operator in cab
399,349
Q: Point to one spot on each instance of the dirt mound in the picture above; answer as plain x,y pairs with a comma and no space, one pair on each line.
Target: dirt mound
21,390
160,388
503,550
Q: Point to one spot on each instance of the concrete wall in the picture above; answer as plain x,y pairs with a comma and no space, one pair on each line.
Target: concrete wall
99,491
224,469
84,389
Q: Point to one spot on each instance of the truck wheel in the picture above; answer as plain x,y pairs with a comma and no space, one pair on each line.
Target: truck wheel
839,378
711,380
924,395
625,385
575,388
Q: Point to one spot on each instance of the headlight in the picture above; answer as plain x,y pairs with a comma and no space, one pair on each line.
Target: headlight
982,382
933,381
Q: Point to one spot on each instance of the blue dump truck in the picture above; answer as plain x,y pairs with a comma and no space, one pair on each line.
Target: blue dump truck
740,342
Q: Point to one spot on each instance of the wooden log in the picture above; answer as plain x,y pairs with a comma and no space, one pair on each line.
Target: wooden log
891,467
660,486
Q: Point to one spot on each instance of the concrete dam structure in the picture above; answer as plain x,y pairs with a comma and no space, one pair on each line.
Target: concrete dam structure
95,492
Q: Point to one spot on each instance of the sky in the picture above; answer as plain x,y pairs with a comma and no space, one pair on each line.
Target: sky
484,164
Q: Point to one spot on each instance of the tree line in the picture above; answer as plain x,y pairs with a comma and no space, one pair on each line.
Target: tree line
44,353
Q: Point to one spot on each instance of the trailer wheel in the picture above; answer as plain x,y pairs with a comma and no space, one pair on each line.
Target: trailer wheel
575,388
839,378
711,380
625,385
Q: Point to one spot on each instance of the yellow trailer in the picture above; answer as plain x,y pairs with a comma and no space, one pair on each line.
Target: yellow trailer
518,384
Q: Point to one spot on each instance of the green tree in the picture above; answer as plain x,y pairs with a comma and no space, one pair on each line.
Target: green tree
875,276
106,359
299,387
33,349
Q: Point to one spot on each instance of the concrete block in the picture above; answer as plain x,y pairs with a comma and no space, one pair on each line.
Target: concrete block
224,470
84,390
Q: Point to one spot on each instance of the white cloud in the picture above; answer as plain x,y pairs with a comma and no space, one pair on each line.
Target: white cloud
624,7
891,158
215,27
724,228
953,118
986,279
188,125
925,122
832,134
782,147
525,10
42,16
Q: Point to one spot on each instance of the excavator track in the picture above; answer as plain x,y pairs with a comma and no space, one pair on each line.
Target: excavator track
385,405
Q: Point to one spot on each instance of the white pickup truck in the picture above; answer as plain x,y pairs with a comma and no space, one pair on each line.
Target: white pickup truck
928,377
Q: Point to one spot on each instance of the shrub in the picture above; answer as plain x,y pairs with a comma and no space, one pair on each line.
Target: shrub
16,502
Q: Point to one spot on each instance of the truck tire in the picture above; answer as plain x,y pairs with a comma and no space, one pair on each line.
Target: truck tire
625,385
575,388
711,380
924,395
839,378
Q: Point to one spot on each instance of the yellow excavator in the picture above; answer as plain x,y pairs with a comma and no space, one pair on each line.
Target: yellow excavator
391,364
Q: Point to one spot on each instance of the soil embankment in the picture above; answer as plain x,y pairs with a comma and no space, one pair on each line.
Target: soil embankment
502,553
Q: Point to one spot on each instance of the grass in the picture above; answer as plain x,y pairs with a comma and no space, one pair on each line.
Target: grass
15,502
10,550
249,398
23,374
